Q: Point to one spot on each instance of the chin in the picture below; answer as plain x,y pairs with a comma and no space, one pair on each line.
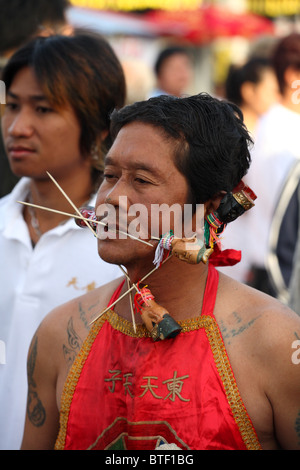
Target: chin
110,254
109,258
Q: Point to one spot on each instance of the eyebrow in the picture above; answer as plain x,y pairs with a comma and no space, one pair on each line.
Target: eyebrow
33,97
134,165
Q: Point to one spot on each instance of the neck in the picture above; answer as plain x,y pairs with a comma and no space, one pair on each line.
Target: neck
170,284
250,119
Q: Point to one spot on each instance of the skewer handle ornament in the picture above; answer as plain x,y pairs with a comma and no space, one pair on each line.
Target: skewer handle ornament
156,318
191,250
195,250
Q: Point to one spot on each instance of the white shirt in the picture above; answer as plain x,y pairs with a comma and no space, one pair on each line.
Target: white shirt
276,147
64,264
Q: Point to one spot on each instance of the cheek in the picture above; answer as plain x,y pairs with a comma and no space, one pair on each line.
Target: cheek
102,193
63,131
69,138
99,200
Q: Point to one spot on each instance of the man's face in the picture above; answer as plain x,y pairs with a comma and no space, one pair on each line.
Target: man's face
139,170
37,137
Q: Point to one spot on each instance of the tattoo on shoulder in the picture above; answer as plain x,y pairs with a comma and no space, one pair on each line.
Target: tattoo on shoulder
84,317
35,409
74,344
236,326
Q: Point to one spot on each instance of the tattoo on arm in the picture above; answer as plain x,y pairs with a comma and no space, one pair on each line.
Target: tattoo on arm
238,327
83,317
74,344
35,409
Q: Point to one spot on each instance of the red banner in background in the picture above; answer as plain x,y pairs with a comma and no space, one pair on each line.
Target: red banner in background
208,23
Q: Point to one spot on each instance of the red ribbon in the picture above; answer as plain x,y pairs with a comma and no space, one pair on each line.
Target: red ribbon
225,257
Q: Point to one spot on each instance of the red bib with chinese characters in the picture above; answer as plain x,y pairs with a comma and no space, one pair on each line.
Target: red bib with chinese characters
125,391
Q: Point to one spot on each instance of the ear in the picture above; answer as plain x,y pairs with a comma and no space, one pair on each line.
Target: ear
290,75
101,138
247,92
212,204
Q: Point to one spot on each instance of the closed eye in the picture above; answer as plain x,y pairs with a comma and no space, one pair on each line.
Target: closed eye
142,181
11,106
109,176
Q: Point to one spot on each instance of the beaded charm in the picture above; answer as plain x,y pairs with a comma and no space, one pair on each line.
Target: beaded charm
88,212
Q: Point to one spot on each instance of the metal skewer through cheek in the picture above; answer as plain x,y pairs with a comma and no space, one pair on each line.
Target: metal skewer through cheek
87,221
79,214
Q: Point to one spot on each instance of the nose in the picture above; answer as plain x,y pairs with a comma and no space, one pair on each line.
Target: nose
117,196
113,199
21,125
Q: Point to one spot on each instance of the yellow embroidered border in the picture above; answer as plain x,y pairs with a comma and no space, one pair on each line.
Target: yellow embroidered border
220,356
72,379
233,396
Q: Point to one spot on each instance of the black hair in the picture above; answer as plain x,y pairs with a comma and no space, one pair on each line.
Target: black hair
252,71
20,20
165,54
211,142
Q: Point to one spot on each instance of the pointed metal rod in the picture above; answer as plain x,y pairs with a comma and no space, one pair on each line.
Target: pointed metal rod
131,306
83,218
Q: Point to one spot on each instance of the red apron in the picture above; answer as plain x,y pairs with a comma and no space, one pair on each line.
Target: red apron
125,391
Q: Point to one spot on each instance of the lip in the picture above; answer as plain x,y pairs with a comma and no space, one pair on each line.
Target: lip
20,151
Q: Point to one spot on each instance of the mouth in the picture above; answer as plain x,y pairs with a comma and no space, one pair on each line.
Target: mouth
20,151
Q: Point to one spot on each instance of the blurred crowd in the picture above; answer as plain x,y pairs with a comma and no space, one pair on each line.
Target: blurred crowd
61,86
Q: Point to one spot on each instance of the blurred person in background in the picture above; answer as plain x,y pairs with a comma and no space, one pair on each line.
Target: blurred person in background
276,147
173,72
139,79
283,256
254,88
20,21
60,92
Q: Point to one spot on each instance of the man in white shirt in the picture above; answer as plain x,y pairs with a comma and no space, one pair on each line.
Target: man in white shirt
60,91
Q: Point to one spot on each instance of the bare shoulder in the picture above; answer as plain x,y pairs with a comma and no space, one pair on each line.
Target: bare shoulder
261,331
262,338
79,311
269,317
